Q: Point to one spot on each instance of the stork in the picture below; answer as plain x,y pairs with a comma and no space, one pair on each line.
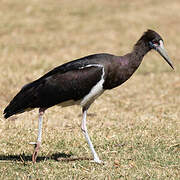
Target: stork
81,81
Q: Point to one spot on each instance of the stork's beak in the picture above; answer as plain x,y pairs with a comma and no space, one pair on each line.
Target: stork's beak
161,50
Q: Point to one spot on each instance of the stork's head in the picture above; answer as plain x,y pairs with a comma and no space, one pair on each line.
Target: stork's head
155,42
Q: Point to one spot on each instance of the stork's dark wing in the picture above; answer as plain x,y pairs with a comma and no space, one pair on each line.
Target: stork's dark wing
71,85
56,88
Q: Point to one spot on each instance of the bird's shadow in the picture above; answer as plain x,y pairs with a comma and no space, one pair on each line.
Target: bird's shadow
27,158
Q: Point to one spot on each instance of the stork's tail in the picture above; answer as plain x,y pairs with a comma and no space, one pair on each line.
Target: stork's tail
22,102
11,110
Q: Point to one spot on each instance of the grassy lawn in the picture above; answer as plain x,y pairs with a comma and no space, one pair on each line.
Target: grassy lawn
135,128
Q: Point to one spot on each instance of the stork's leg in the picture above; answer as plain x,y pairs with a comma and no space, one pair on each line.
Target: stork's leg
38,143
85,132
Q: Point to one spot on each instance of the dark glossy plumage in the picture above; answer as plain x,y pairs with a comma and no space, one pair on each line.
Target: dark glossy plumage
75,79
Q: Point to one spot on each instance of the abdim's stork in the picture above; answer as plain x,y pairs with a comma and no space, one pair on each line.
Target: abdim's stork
81,81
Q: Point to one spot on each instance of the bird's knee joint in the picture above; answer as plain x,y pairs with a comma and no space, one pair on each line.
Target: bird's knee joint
84,131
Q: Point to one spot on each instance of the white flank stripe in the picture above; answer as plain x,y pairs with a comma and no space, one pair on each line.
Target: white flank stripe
96,90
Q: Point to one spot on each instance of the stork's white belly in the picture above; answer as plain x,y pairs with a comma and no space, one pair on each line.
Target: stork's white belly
95,92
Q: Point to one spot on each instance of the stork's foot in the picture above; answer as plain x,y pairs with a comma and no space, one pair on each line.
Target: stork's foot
35,153
97,161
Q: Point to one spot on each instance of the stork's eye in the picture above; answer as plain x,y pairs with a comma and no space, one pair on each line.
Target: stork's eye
156,43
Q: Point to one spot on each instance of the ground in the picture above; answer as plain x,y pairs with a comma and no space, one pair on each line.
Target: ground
135,128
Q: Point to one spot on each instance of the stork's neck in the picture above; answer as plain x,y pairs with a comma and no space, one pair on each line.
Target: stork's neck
140,49
124,66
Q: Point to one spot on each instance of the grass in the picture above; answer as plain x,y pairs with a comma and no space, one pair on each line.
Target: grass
135,128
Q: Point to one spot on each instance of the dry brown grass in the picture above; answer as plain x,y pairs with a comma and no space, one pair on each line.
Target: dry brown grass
135,128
